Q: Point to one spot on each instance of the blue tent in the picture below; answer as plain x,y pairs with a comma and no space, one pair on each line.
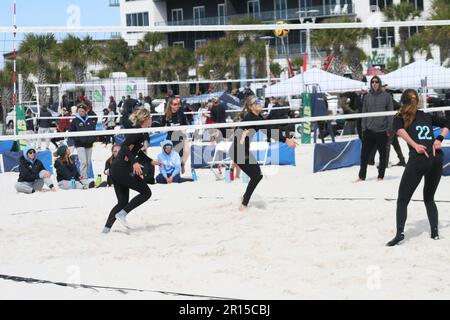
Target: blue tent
231,102
202,98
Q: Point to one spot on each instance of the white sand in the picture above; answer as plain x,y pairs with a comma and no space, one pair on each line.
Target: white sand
283,247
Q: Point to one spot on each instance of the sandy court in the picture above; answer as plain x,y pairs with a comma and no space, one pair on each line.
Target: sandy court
190,238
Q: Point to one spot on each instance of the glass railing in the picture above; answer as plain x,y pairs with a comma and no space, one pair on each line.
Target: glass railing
114,3
298,50
116,35
324,11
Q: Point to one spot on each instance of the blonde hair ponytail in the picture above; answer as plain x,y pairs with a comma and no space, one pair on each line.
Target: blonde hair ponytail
250,100
140,116
409,104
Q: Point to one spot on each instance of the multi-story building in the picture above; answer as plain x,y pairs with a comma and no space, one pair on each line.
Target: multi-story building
221,12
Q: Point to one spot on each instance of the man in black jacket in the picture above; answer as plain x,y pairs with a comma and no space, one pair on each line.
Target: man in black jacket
359,100
128,109
44,127
277,112
219,115
32,174
83,123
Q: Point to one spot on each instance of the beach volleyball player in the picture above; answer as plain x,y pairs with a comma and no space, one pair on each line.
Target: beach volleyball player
240,148
425,160
127,171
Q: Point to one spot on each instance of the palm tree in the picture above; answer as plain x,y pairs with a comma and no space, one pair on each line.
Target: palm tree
275,69
150,41
117,55
145,61
176,62
248,46
221,56
79,53
403,11
6,88
440,10
36,52
342,44
417,43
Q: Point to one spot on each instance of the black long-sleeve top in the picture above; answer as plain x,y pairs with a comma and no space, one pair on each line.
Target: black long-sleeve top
66,170
131,150
178,119
421,129
252,131
108,164
218,114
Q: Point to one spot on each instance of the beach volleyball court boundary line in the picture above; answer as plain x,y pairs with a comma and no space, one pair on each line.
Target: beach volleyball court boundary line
95,287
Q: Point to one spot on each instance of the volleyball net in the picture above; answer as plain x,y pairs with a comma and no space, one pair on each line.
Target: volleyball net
314,67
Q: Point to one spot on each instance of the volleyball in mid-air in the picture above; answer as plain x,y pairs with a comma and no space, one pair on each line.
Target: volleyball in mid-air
281,33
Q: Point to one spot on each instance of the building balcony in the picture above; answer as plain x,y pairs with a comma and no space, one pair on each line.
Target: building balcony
323,11
116,35
114,3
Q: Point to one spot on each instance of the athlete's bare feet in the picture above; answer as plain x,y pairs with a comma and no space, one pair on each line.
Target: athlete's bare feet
242,208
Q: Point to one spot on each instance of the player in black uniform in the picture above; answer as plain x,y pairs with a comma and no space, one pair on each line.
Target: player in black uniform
126,171
240,149
425,160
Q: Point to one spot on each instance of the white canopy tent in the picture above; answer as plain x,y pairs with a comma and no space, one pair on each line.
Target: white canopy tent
413,75
327,82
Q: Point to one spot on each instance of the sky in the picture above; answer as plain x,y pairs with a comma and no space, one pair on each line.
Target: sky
55,13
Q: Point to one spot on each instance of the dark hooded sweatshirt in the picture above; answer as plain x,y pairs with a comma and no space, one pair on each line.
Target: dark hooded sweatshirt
377,101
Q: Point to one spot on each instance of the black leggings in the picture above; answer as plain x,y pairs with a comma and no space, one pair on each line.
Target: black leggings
123,181
252,169
369,141
392,140
420,166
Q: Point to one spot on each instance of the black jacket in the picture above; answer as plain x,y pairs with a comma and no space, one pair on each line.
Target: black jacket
78,125
93,116
218,114
178,119
45,123
29,172
278,113
66,171
137,141
107,170
29,123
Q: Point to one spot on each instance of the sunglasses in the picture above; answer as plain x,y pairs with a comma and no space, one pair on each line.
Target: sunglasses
374,81
31,152
257,102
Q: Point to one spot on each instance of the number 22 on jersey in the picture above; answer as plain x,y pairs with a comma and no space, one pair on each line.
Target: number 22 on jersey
424,132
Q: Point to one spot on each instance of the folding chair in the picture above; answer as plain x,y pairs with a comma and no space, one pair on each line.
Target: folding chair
258,147
222,148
